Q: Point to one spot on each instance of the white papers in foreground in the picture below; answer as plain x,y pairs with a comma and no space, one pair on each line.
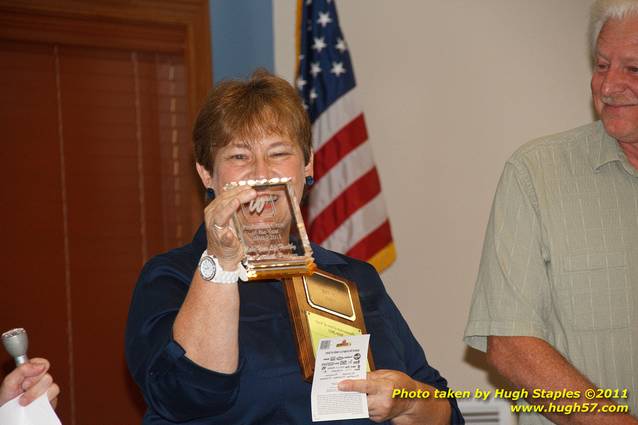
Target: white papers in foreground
339,358
38,412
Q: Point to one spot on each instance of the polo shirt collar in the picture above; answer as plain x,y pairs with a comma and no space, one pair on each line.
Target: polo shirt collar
608,149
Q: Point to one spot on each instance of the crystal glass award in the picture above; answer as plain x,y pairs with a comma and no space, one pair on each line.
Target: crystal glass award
272,231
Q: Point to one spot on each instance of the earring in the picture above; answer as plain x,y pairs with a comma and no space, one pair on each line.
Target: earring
210,194
310,181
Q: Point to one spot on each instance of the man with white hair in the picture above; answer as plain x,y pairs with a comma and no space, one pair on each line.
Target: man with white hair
556,300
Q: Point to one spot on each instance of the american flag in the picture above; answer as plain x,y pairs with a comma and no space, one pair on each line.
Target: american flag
345,211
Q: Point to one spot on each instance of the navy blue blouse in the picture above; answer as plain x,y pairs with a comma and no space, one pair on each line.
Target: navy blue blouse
267,388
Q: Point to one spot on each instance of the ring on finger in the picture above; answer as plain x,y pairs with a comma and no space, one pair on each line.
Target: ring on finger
218,227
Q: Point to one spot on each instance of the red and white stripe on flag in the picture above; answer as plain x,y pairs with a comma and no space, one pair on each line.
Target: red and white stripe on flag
346,211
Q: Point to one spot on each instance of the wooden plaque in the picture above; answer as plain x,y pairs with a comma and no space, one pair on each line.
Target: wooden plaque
326,302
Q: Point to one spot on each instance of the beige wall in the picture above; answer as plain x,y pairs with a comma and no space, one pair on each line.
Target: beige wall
450,88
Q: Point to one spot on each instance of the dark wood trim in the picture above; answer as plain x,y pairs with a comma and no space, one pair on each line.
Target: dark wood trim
190,17
184,26
95,32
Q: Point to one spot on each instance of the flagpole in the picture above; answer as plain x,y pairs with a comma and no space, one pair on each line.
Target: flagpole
298,37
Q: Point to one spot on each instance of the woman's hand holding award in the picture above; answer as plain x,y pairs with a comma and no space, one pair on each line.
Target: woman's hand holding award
272,231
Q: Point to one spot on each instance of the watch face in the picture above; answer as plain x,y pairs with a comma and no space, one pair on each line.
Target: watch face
207,268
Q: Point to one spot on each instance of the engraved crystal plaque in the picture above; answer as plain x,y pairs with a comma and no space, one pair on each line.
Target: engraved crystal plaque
272,232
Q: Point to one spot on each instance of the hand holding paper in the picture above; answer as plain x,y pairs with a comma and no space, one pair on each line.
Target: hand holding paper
379,386
382,406
29,381
28,385
338,359
27,395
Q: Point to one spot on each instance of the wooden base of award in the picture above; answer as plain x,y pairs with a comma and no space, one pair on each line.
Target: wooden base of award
322,305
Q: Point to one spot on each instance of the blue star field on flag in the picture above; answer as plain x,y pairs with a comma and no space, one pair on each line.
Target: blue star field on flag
325,70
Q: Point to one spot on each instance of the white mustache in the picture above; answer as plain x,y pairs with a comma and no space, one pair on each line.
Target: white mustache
612,101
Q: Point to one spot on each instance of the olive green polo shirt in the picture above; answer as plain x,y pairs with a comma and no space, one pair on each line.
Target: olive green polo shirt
560,257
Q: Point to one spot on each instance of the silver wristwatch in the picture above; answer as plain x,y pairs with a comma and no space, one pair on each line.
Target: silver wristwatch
211,271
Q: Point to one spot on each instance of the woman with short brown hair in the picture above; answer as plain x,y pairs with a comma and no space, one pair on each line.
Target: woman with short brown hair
206,349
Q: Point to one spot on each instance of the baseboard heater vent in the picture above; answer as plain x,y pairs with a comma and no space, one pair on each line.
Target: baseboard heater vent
491,412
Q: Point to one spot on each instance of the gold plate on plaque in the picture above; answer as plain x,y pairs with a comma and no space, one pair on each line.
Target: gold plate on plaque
329,295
